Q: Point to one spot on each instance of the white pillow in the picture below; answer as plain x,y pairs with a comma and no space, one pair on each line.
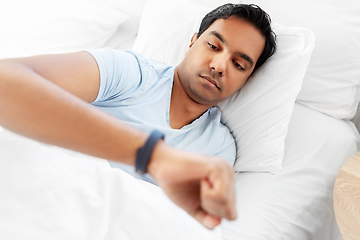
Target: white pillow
259,115
332,81
166,28
42,26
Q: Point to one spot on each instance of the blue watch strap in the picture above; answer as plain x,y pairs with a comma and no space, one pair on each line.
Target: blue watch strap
143,153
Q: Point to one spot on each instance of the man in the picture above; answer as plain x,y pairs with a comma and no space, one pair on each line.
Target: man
46,98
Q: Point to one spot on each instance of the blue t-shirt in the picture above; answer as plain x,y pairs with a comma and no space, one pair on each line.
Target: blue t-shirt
137,91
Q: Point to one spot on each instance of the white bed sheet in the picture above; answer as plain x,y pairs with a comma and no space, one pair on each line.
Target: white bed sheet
50,193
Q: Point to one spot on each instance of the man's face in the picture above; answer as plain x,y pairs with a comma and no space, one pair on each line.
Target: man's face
219,62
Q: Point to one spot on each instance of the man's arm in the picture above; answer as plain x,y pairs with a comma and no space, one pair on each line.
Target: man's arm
46,98
43,98
77,73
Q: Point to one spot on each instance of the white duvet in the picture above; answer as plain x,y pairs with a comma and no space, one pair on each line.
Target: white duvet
52,193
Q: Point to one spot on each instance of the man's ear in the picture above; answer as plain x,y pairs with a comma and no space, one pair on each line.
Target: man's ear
193,39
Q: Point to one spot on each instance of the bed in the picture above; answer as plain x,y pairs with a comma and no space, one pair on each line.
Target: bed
51,193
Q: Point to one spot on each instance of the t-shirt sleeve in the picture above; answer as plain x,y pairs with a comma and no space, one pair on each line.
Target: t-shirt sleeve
120,74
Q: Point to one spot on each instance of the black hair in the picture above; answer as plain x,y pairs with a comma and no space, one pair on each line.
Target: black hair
250,13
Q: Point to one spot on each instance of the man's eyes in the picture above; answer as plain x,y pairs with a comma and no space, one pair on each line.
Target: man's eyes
236,64
212,46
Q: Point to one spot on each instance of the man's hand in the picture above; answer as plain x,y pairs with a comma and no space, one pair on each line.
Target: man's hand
202,186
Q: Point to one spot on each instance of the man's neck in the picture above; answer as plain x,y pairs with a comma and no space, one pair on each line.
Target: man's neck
183,110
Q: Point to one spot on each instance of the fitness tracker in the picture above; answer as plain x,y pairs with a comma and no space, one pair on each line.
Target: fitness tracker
143,153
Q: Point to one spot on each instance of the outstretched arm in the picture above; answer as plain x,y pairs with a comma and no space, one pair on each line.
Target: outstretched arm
46,98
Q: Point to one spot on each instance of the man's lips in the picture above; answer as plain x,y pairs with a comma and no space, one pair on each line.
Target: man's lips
211,81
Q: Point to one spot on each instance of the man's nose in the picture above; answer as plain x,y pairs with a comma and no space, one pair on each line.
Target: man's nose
219,64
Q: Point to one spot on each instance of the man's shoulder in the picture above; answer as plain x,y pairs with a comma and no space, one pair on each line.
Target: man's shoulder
124,63
129,56
160,68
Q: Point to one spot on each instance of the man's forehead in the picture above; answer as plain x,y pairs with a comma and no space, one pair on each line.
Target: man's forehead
221,21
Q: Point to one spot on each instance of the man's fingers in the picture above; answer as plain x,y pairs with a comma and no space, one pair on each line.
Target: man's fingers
211,222
218,199
206,219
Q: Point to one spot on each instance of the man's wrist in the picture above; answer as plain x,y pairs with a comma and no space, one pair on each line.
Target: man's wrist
144,153
161,153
